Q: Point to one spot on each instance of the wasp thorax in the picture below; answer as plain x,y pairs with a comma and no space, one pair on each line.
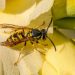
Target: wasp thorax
36,33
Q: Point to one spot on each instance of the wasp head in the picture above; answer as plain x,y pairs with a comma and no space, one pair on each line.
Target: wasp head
44,33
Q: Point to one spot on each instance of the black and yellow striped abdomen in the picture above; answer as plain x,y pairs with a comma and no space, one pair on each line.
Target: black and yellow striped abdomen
16,38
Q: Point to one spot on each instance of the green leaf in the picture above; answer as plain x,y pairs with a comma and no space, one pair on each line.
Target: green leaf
68,33
66,23
61,17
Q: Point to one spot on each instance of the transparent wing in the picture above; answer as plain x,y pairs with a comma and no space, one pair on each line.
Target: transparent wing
13,28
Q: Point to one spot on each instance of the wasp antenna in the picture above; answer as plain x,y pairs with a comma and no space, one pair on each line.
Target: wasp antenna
52,43
49,24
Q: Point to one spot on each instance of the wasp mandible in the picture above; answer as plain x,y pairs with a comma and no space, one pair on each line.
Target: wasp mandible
23,34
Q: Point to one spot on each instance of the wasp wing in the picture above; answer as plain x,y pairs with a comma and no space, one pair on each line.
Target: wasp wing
13,28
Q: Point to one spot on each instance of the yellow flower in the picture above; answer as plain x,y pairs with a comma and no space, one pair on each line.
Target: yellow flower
17,13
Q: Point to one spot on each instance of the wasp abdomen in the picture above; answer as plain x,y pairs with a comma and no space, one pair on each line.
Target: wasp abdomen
15,39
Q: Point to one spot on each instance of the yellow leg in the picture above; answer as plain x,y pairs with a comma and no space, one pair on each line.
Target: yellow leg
41,51
41,24
18,60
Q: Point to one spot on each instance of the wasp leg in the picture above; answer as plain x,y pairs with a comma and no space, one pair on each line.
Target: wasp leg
34,45
35,42
41,24
18,60
39,43
20,57
44,44
39,50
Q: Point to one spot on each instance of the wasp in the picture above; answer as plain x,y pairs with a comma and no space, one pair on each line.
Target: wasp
23,34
